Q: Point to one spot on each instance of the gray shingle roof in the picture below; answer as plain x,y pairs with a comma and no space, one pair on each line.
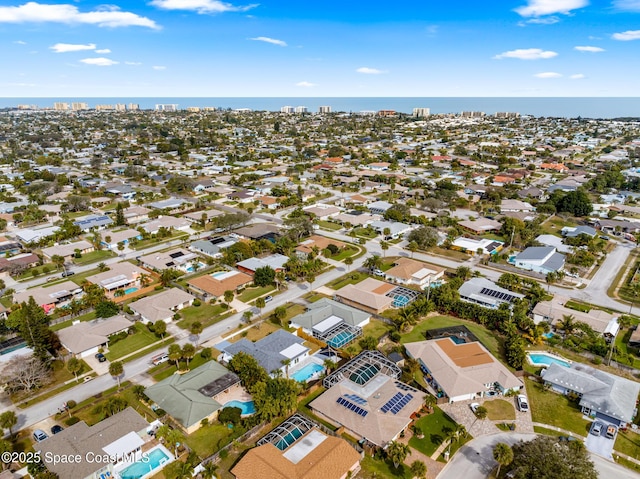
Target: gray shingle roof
324,308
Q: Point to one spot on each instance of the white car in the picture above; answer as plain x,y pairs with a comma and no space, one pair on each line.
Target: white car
523,403
474,407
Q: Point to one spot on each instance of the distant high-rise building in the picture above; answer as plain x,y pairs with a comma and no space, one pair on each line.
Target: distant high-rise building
472,114
193,109
301,109
287,109
324,109
61,106
421,112
134,106
507,114
167,107
104,107
209,108
79,105
27,107
121,107
386,113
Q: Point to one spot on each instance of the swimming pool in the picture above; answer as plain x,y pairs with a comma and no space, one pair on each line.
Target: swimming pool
130,290
545,360
400,301
247,407
191,269
307,372
340,339
153,460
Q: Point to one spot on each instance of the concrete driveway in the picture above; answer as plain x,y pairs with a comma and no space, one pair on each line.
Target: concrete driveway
97,366
600,445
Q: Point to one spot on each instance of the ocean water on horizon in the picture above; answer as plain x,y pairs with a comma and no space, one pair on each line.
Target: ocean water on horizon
568,107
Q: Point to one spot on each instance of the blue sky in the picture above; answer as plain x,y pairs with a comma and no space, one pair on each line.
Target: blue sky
210,48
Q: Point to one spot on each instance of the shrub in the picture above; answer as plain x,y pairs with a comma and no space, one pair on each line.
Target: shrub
72,420
158,287
197,302
206,353
597,360
160,412
204,422
46,269
395,336
71,404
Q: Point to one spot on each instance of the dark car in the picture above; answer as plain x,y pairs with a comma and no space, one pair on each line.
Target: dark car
67,273
101,357
56,429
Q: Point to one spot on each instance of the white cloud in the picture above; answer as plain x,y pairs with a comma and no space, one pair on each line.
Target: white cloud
306,84
201,6
627,5
578,76
543,21
539,8
103,51
548,75
70,47
111,16
159,67
370,71
273,41
99,61
589,49
133,63
527,54
20,42
626,36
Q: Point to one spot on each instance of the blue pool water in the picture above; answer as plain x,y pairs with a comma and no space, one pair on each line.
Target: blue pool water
289,439
400,301
138,469
306,372
130,290
457,340
219,274
247,407
538,359
340,339
548,335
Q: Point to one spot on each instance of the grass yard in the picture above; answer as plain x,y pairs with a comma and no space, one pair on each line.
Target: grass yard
38,271
132,343
622,345
328,225
365,233
164,370
628,443
94,256
256,332
211,438
486,337
548,407
376,328
304,408
313,296
547,432
435,427
346,252
207,314
350,278
142,244
373,468
554,224
500,410
571,304
249,294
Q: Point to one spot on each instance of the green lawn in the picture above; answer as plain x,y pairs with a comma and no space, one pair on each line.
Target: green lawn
211,438
622,345
628,443
449,253
548,407
207,314
486,337
547,432
376,328
346,252
585,308
37,271
141,244
365,233
500,410
373,468
65,324
312,297
350,278
94,256
250,294
435,427
132,343
164,370
328,225
554,224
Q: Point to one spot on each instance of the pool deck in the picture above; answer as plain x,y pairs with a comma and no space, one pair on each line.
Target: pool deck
235,394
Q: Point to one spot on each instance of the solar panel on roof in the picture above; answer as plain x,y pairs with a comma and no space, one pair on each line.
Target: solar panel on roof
352,407
176,254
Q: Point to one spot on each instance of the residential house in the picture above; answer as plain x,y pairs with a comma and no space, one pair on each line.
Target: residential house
192,397
477,246
554,312
19,262
85,338
203,186
213,286
369,295
167,222
68,250
161,306
602,395
322,211
126,192
306,247
461,372
508,205
111,239
136,214
480,226
313,455
50,297
93,222
33,235
177,258
396,229
486,293
574,232
379,207
104,448
120,276
197,216
332,322
172,205
273,261
413,272
258,231
540,259
9,247
367,398
213,247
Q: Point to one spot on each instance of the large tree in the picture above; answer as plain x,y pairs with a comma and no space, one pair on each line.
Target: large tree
25,374
264,276
397,452
425,237
116,369
32,324
546,458
503,454
247,369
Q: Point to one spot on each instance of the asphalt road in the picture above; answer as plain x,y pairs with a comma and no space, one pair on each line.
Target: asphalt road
475,460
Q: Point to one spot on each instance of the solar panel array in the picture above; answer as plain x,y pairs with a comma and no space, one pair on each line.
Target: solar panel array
396,403
404,387
497,294
356,399
352,407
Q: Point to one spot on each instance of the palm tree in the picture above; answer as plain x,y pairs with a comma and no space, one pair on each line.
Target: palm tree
413,247
372,263
175,354
58,261
568,324
503,454
551,278
279,279
228,296
481,413
74,366
463,272
102,267
116,369
260,303
458,433
119,293
188,352
430,401
286,363
144,279
209,470
384,245
418,469
397,452
195,329
348,261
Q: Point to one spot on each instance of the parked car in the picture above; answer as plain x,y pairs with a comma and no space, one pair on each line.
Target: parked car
56,429
268,298
378,272
523,403
596,428
474,406
67,273
566,439
101,357
611,431
39,435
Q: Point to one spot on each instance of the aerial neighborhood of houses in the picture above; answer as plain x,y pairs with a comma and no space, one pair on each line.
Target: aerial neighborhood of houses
249,294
